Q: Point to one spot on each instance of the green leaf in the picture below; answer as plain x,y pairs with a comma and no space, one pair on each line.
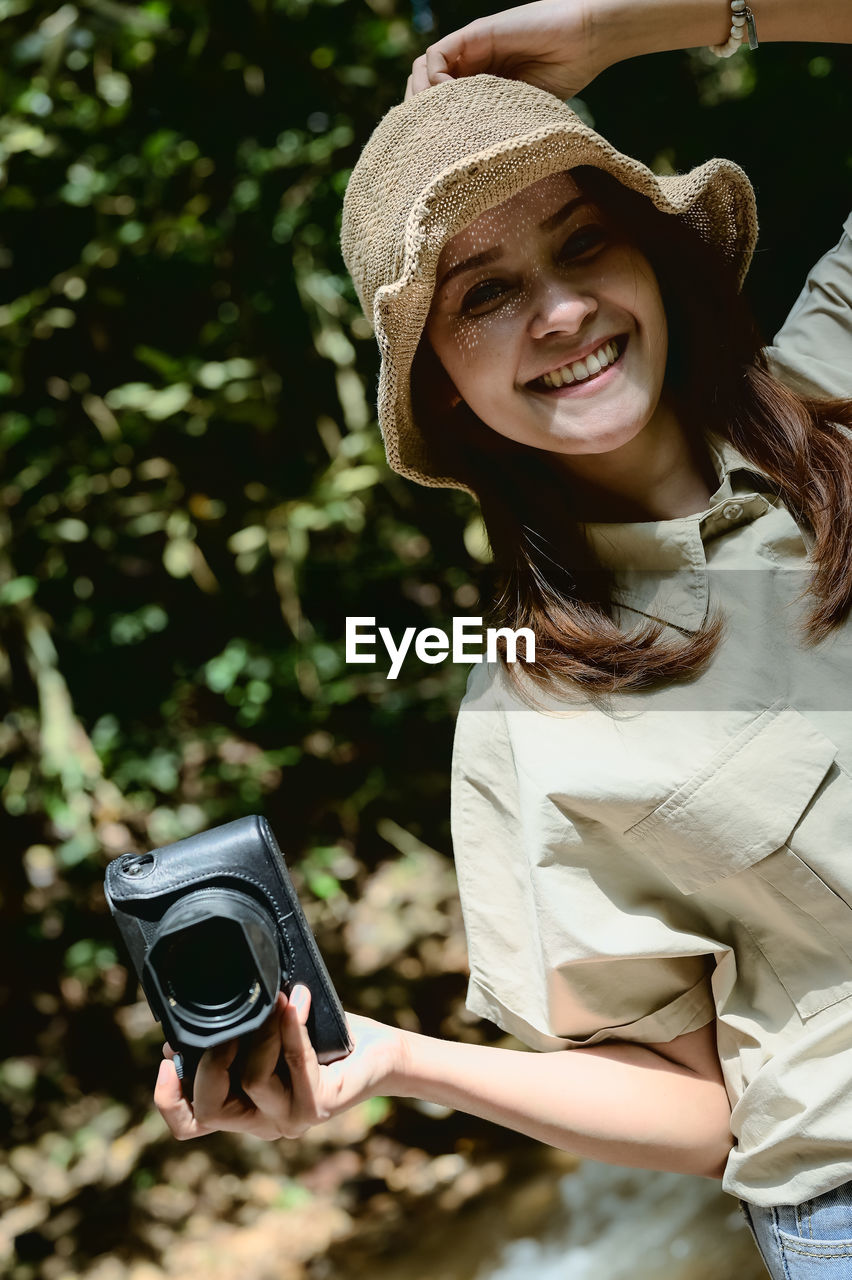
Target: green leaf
17,589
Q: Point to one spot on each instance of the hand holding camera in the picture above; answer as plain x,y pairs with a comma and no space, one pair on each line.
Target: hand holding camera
268,1106
231,969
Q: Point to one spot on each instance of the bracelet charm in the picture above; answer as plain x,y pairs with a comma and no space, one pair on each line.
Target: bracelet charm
742,25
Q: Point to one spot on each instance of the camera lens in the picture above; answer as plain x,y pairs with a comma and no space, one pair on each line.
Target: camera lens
216,961
208,970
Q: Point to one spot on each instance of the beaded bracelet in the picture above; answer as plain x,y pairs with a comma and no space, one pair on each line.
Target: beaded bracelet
742,24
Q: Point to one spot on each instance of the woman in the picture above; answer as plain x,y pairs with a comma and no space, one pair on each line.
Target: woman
650,822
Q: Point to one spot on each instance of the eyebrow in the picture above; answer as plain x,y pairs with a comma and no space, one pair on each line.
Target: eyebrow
491,255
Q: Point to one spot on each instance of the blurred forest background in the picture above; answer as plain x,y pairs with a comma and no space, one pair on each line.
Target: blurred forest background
194,497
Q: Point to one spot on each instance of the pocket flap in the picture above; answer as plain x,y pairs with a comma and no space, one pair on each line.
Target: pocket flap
742,805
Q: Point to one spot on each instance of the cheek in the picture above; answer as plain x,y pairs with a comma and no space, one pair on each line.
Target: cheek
660,333
628,275
640,295
476,351
649,303
656,308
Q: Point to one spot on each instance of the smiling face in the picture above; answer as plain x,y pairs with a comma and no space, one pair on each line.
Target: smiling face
550,324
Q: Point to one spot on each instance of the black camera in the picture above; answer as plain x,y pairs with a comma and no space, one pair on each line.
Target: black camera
215,931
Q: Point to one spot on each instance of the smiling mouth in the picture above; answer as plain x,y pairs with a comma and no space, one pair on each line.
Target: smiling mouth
585,370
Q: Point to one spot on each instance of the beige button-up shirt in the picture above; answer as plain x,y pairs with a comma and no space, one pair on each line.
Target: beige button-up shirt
686,853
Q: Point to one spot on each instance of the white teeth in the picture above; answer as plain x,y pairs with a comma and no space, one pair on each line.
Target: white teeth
579,370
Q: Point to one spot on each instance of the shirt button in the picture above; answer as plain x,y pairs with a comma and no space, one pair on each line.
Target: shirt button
732,510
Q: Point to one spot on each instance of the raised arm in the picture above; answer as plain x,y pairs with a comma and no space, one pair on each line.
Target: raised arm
561,45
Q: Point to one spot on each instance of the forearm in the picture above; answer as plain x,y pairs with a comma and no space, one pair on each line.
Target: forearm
629,28
619,1103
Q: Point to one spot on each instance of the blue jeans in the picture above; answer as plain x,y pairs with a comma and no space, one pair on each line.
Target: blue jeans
810,1241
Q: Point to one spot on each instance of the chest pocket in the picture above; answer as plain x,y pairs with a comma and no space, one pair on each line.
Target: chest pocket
764,832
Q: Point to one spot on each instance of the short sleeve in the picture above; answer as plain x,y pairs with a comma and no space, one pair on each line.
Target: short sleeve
812,352
572,938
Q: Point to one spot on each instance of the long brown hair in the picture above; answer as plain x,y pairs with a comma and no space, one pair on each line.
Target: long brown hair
547,576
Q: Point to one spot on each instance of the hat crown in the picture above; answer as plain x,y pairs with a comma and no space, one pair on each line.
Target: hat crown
418,140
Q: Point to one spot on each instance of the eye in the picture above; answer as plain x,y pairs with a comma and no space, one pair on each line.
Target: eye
483,293
584,242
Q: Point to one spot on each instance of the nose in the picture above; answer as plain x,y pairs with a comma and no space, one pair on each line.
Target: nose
559,306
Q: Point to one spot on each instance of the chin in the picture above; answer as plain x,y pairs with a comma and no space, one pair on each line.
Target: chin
604,441
618,431
573,437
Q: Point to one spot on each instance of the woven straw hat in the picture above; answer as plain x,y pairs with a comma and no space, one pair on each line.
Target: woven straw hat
437,161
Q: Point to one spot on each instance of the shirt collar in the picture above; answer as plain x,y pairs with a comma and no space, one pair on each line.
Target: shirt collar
660,566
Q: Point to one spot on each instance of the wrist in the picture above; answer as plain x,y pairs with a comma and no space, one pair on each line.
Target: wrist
398,1064
616,29
629,28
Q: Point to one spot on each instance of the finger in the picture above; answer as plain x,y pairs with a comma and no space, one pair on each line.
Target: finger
168,1051
184,1121
409,90
173,1106
212,1086
436,65
300,998
214,1105
265,1045
300,1057
419,78
467,51
259,1077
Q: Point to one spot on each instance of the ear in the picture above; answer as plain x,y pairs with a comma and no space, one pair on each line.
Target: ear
431,385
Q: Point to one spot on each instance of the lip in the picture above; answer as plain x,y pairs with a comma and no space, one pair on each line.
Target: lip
588,350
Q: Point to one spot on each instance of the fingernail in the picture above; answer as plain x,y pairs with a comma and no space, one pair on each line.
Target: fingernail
299,998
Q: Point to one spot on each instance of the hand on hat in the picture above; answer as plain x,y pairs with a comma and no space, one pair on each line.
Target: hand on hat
553,44
561,45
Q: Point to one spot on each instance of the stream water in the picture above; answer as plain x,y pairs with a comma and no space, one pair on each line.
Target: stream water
625,1224
589,1222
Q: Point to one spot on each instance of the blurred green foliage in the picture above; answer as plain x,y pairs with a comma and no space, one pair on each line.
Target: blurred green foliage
194,493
